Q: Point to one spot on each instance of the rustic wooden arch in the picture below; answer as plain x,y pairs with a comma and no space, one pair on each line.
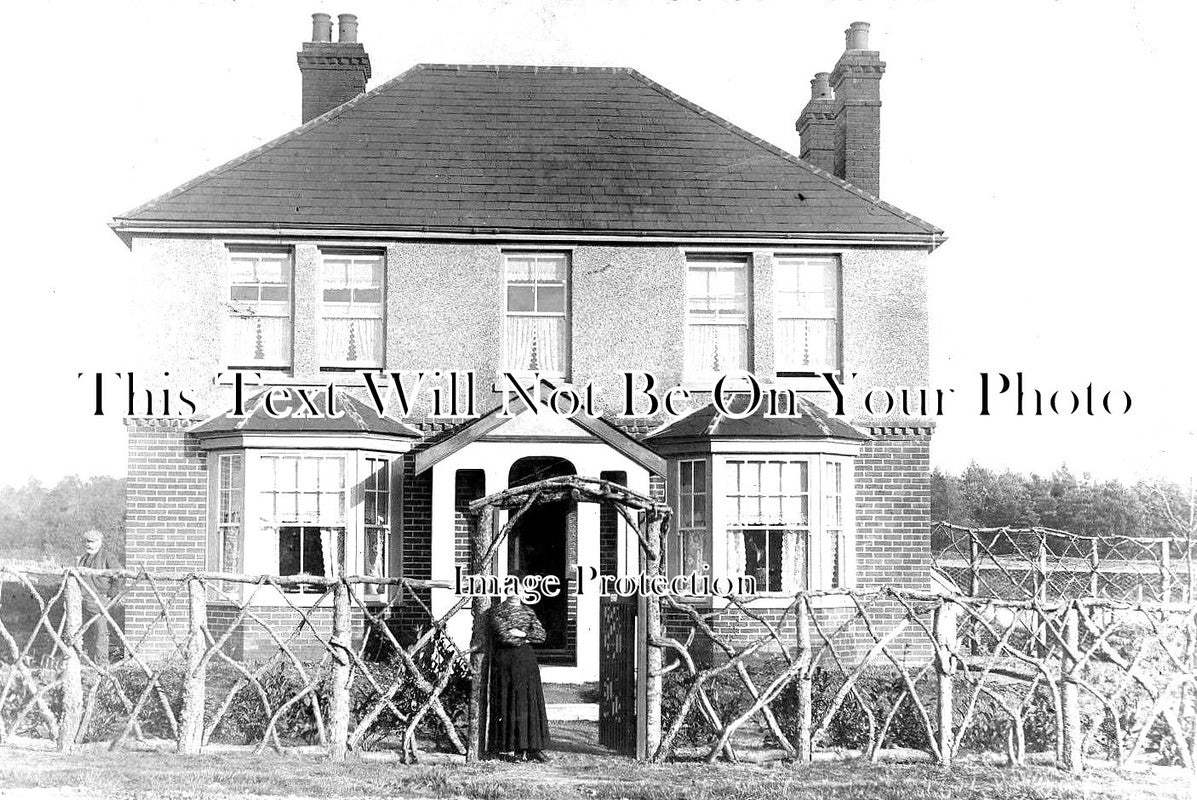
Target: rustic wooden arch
644,515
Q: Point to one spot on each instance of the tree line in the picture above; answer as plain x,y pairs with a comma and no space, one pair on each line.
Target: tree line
982,497
43,524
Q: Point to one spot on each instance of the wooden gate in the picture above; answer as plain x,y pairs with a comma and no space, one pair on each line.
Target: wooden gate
617,674
630,709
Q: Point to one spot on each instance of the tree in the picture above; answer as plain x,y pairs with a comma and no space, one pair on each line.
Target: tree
35,523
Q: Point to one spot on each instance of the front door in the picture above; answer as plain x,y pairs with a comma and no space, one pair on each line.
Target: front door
539,545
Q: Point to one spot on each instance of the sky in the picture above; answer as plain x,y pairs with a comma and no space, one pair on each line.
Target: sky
1051,140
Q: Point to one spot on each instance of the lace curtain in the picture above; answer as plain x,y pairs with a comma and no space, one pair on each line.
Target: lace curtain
351,341
256,339
716,348
806,343
332,551
536,343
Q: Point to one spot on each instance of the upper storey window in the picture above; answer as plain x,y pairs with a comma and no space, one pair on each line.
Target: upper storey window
536,320
717,319
808,315
351,311
257,330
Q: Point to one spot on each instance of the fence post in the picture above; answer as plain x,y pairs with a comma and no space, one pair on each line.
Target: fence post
341,642
1094,564
806,657
1070,694
974,586
72,667
191,718
945,643
1041,639
480,640
1166,571
974,565
652,631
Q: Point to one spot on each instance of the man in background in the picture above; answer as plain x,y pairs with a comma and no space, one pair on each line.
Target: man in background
97,556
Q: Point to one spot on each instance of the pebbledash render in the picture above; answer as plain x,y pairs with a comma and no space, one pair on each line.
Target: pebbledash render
563,224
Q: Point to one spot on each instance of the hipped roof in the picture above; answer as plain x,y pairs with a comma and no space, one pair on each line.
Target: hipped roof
526,149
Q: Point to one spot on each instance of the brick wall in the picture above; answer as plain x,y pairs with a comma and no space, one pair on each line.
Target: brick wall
893,508
251,642
416,544
609,528
166,526
470,485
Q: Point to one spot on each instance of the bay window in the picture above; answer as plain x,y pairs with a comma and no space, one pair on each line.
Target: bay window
784,519
718,328
769,523
303,502
536,317
692,534
303,512
229,510
807,302
376,515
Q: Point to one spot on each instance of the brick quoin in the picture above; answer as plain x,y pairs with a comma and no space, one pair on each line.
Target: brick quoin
166,527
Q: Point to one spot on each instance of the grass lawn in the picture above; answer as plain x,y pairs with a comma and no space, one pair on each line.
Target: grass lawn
42,774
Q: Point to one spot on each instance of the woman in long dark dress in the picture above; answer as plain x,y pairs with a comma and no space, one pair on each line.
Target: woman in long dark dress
518,722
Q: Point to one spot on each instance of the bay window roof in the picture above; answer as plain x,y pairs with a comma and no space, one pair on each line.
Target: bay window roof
708,422
352,416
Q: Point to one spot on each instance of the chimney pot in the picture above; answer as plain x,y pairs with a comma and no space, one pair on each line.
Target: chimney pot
857,36
333,72
321,28
820,87
347,28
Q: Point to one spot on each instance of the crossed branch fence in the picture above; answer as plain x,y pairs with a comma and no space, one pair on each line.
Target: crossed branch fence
892,673
1025,664
330,673
1043,564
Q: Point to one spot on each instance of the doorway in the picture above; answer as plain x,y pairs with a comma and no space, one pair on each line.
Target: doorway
545,542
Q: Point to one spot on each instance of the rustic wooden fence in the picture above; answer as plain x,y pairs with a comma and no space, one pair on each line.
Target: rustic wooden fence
205,661
1047,564
317,667
886,673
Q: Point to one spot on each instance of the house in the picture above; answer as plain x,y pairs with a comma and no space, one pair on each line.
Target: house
563,225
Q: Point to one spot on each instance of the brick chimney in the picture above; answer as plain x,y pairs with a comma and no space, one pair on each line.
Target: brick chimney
333,72
816,125
856,85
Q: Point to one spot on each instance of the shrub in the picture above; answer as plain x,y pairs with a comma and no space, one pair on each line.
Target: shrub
110,713
848,728
19,699
246,719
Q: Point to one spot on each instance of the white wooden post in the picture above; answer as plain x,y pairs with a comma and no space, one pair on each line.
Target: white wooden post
804,745
483,534
652,628
341,642
945,642
191,718
1070,694
72,669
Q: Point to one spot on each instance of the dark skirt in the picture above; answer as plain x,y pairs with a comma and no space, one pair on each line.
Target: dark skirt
517,715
